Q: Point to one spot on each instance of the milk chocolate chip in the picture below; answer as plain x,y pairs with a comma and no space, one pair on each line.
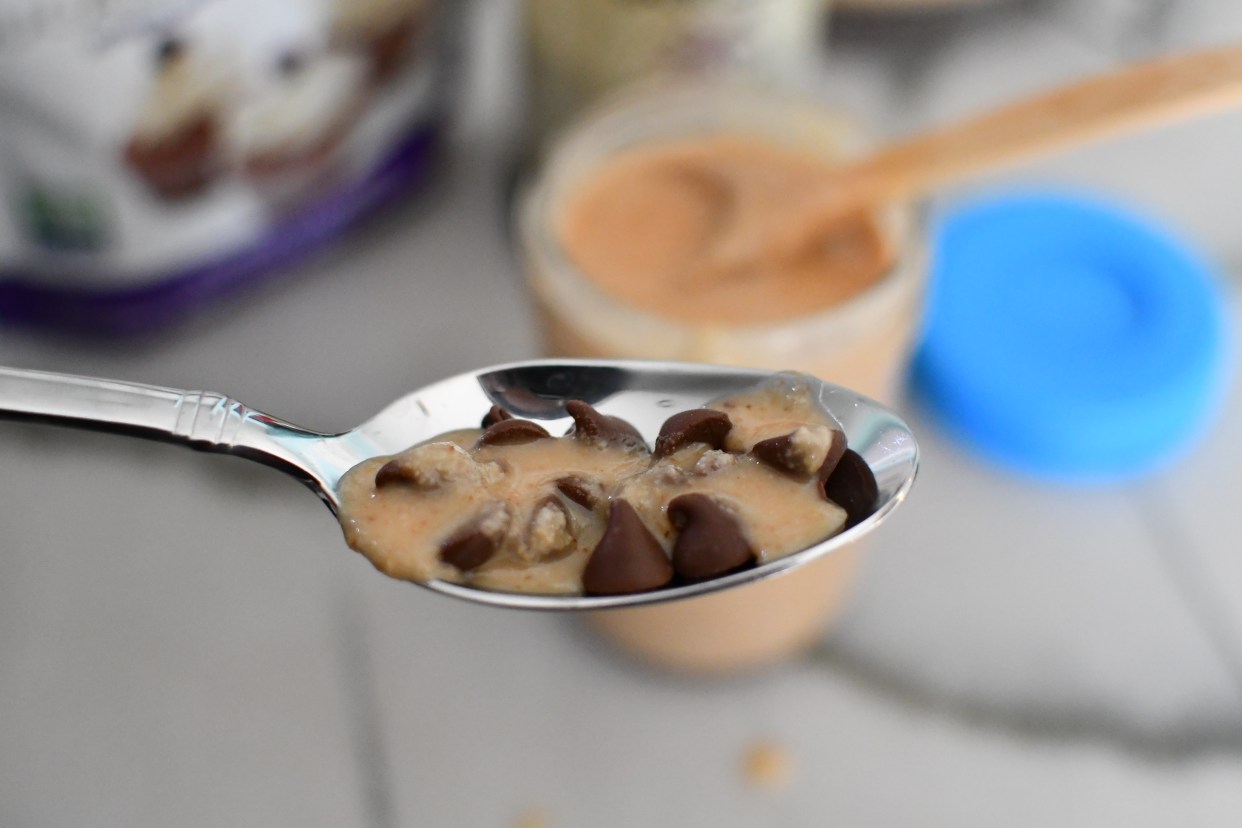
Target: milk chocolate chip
699,425
804,451
593,425
494,415
429,466
511,433
550,532
390,46
711,541
180,164
473,544
852,486
579,491
836,450
628,558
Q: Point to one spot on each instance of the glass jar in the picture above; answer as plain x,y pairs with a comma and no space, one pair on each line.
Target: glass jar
862,343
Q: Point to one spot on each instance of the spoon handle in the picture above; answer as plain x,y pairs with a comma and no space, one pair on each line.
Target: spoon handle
1135,97
200,420
1147,94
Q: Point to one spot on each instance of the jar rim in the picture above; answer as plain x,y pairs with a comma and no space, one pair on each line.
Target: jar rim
670,109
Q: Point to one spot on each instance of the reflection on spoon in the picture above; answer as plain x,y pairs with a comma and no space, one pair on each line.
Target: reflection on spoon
641,393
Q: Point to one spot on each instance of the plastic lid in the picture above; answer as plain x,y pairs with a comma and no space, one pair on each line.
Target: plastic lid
1069,338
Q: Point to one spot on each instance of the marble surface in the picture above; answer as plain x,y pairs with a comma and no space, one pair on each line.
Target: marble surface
184,640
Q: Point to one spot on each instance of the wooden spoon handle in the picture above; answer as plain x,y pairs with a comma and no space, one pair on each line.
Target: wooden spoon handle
1144,95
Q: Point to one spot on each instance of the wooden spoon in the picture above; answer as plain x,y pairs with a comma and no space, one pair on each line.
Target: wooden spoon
1137,97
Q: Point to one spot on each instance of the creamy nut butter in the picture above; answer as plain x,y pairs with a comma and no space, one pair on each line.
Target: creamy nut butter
622,229
744,481
645,226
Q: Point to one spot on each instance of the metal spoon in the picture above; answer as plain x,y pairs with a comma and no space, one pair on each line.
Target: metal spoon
644,393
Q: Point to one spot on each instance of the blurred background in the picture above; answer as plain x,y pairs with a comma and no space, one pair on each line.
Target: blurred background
313,213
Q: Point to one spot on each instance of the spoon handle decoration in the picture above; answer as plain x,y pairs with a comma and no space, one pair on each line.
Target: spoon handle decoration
197,419
207,421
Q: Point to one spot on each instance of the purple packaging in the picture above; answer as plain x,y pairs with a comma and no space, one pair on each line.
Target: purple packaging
157,154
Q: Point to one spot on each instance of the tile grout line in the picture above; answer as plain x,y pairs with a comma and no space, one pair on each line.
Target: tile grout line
362,714
1189,582
1023,722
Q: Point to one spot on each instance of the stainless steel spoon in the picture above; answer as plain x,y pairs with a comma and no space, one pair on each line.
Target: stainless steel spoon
644,393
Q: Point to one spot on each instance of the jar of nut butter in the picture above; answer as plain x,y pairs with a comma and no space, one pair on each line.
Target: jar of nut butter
618,231
617,235
156,154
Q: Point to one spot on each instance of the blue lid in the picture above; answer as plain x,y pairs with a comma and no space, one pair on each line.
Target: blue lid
1069,338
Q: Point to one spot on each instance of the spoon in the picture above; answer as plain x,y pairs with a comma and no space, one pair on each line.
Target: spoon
1136,97
644,393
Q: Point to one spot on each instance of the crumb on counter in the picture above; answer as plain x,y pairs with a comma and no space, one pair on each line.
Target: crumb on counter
768,766
533,818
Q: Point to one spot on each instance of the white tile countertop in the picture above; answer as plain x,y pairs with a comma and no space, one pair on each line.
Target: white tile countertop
185,640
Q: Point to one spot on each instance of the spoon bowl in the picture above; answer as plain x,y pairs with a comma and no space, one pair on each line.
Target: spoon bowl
643,393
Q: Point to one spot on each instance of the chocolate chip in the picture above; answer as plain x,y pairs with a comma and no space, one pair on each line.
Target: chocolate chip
473,544
698,425
430,466
550,531
591,424
392,473
836,450
852,486
711,541
628,558
578,490
494,415
467,550
804,451
511,433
